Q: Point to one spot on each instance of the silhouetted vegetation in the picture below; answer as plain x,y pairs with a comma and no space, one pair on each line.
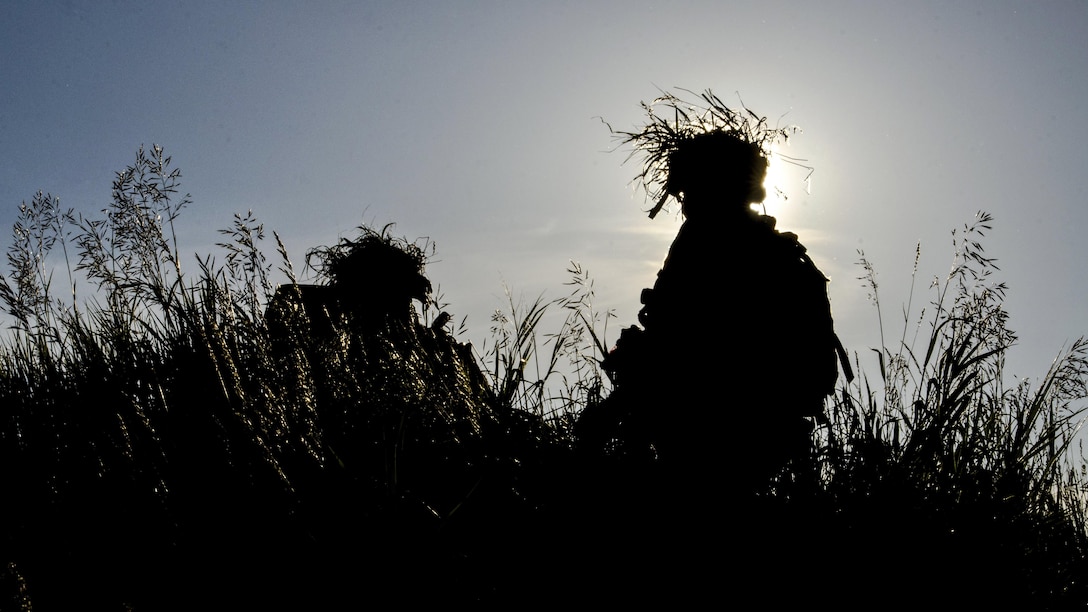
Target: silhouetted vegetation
176,439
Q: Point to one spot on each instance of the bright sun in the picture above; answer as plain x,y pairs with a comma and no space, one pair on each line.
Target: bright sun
780,184
772,183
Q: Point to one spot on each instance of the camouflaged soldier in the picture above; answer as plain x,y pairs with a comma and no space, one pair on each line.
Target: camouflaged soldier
737,350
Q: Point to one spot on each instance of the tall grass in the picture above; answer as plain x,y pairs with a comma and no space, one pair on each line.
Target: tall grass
135,419
936,459
164,417
551,374
304,454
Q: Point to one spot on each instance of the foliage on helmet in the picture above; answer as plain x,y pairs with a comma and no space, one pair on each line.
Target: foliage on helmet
683,122
375,264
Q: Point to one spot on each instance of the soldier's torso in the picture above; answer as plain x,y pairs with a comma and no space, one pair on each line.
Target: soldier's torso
740,302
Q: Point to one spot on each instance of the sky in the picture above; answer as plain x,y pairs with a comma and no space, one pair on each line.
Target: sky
480,127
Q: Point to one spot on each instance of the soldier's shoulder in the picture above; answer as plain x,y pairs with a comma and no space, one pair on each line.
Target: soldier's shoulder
767,230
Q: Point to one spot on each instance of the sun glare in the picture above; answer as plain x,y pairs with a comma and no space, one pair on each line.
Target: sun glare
781,184
773,184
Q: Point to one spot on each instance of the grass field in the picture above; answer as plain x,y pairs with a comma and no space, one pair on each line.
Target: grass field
171,441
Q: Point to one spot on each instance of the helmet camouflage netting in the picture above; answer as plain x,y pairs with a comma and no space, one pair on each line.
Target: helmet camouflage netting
692,131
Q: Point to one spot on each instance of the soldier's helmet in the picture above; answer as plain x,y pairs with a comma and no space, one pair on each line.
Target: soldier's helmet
703,153
716,169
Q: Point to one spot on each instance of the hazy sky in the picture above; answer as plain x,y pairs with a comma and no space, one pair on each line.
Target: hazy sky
478,125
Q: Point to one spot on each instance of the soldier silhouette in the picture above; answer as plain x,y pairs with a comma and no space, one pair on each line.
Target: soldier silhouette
736,352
